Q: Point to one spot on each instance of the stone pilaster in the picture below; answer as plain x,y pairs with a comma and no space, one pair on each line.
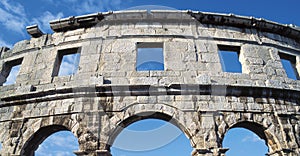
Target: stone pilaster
103,153
96,153
202,152
283,152
210,152
80,153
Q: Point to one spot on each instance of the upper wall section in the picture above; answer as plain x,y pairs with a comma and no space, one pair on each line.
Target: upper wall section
203,18
108,44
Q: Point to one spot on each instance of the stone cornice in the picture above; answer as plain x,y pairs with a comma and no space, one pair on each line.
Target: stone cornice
76,22
148,90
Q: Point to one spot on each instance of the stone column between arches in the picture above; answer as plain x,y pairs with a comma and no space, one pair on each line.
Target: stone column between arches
96,153
207,140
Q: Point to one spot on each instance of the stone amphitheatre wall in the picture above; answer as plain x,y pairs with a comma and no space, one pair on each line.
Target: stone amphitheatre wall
107,93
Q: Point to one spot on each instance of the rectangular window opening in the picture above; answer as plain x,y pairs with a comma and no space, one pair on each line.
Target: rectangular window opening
67,62
10,72
150,56
229,57
289,64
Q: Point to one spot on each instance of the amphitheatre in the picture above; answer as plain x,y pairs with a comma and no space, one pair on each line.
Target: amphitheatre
192,90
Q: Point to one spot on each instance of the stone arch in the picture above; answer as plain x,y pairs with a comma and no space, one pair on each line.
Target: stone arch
38,137
261,131
160,111
33,137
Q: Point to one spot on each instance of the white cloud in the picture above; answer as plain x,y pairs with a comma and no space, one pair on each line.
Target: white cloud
42,150
12,21
253,138
49,1
59,144
13,16
69,64
80,7
4,43
45,18
92,6
71,1
13,7
66,141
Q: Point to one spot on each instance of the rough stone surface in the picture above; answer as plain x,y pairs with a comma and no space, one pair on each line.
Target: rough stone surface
193,92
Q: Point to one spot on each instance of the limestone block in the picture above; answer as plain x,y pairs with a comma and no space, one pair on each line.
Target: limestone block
254,61
175,66
127,66
143,25
210,57
72,38
176,47
144,80
128,32
274,83
147,99
110,66
165,99
20,46
190,56
118,81
185,106
138,74
111,57
244,82
166,81
113,74
203,79
196,66
25,89
126,46
213,67
164,73
189,77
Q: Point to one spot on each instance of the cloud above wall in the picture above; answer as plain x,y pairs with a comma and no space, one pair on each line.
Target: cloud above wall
80,7
91,6
4,43
13,16
45,18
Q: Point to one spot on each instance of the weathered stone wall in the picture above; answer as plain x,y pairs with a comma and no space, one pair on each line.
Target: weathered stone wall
192,92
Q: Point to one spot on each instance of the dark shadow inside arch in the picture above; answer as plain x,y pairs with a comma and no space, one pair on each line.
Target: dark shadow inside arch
246,138
37,138
254,127
149,134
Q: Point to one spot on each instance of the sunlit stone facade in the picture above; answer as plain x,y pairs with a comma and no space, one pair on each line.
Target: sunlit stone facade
192,91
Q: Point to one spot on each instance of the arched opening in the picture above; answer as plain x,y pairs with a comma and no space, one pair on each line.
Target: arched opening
51,140
151,136
245,139
59,143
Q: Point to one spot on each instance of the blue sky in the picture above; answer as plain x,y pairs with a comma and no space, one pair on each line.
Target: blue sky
15,15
